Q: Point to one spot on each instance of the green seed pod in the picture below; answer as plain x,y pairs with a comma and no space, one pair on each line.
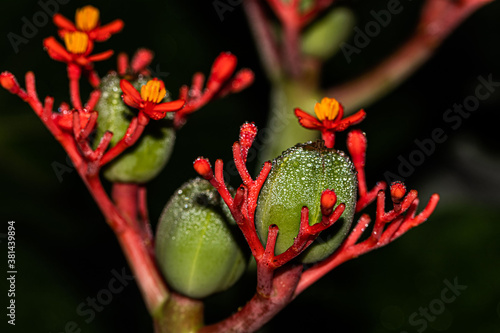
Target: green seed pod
198,243
147,157
298,178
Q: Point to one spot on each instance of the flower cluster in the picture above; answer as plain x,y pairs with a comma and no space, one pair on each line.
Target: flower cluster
79,37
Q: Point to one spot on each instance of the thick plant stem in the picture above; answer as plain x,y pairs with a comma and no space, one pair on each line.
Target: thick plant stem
125,196
149,279
179,314
144,269
283,130
259,310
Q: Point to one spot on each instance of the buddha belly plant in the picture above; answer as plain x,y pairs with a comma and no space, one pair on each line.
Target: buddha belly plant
299,218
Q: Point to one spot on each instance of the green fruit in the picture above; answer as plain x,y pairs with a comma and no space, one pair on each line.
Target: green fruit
298,178
147,157
198,243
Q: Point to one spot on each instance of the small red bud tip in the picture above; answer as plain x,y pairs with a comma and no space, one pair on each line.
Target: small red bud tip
141,59
242,80
356,144
248,131
9,82
203,168
328,200
398,191
223,67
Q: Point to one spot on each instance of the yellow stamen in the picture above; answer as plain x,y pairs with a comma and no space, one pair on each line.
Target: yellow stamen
153,91
76,42
86,18
328,108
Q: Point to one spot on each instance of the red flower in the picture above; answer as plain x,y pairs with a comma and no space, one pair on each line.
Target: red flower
87,21
329,113
329,119
78,48
148,101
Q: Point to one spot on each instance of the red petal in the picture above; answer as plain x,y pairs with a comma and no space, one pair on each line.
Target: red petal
56,51
169,106
104,32
307,121
131,95
340,115
100,56
130,101
351,120
63,23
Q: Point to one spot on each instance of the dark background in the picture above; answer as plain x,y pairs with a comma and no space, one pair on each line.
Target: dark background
65,252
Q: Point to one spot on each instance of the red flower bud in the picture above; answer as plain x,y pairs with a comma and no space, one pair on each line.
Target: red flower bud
203,168
398,191
9,82
356,144
247,134
242,80
328,200
222,68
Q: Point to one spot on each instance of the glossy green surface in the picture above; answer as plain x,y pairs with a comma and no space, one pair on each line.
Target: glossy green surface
297,179
197,242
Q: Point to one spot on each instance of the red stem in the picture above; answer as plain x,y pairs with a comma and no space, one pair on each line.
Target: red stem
259,310
291,49
438,20
136,250
329,138
149,279
133,133
74,74
125,196
379,237
266,43
147,232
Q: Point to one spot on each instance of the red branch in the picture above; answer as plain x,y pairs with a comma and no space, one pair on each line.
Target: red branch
388,227
356,144
72,130
439,18
220,83
133,133
293,20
